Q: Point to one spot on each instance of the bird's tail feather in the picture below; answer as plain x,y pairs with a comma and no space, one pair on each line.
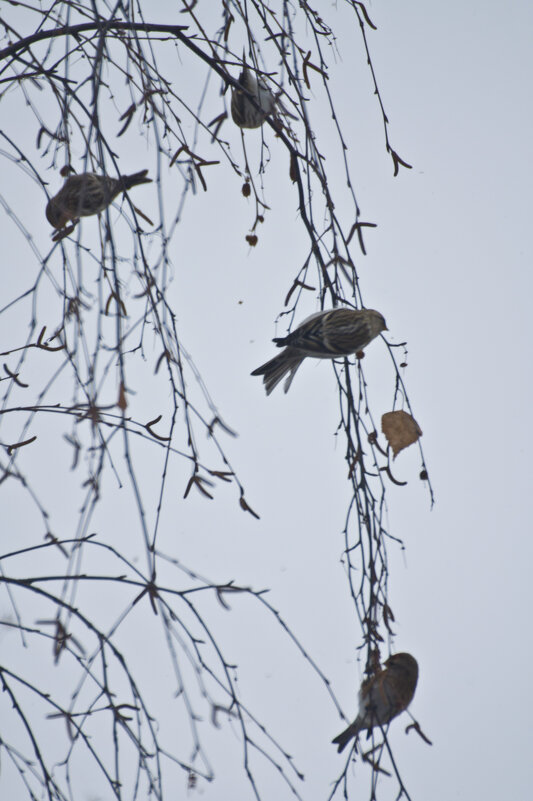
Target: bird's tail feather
344,737
136,178
274,370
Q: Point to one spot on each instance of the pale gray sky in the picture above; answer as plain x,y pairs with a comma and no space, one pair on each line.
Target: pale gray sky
449,265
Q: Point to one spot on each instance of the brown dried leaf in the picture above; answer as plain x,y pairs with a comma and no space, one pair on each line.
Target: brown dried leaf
247,508
397,161
400,429
148,427
176,154
293,169
143,215
122,402
295,285
365,15
127,116
388,617
11,448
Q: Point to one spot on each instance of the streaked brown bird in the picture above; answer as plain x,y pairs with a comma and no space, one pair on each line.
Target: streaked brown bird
324,335
383,696
88,193
244,112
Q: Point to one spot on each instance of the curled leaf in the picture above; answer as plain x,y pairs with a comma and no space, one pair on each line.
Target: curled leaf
415,726
15,377
11,448
122,402
400,429
127,116
198,482
397,161
148,427
293,169
295,285
247,508
143,215
365,15
388,617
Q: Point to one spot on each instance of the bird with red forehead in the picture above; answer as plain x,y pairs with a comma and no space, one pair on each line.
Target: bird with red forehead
86,194
324,335
383,696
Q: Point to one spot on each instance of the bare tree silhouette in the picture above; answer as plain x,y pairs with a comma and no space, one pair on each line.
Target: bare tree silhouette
80,81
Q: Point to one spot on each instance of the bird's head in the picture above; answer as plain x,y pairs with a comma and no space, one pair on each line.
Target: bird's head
56,215
247,78
404,663
376,321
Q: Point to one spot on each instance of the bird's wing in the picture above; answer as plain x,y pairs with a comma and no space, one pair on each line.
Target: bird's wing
386,698
309,336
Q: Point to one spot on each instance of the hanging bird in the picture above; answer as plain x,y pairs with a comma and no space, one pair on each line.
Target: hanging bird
383,696
244,112
88,193
325,335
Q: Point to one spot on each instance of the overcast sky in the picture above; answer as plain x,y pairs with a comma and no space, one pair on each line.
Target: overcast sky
449,265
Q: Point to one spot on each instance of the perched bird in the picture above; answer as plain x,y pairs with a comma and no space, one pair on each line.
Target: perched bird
324,335
244,112
383,696
86,194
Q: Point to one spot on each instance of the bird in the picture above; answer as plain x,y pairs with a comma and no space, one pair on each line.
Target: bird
88,193
383,696
325,335
248,114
